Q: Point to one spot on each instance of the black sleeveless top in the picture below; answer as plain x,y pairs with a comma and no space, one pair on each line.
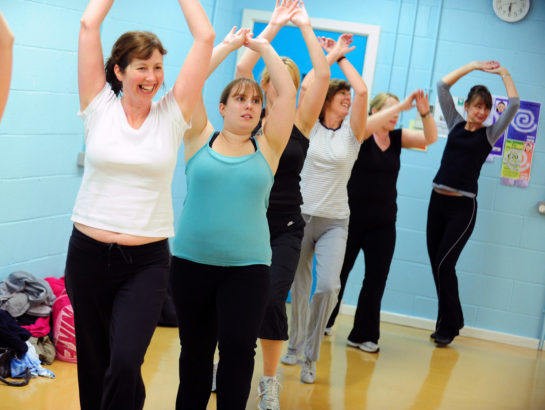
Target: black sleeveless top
372,189
286,198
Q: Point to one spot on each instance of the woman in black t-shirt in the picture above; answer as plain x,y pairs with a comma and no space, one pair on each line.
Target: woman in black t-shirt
372,198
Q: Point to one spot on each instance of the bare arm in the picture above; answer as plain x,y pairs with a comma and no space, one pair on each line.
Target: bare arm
358,112
279,122
280,17
194,71
6,58
311,101
420,138
91,75
232,41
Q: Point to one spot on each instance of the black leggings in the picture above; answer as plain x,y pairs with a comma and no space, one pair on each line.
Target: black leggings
223,305
451,220
377,243
117,293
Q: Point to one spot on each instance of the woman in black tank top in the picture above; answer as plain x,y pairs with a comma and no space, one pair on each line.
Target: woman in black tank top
372,198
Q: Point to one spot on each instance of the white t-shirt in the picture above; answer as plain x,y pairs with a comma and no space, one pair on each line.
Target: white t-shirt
331,155
127,179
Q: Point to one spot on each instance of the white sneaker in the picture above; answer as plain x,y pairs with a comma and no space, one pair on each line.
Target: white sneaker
328,331
268,392
368,347
214,373
289,358
308,371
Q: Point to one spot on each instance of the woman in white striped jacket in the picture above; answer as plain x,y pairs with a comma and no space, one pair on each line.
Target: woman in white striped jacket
334,145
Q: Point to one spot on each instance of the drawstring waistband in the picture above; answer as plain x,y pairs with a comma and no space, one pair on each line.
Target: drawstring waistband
127,258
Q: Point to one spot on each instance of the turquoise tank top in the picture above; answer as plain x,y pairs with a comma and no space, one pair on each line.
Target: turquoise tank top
224,219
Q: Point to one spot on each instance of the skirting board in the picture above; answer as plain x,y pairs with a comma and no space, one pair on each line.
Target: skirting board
421,323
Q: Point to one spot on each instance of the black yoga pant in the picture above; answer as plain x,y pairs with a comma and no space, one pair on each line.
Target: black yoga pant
224,306
377,243
286,237
451,220
117,293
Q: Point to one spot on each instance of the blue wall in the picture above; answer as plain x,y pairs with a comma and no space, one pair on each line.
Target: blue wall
501,271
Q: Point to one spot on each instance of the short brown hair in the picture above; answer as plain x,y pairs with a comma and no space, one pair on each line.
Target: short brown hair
335,85
480,92
240,87
131,45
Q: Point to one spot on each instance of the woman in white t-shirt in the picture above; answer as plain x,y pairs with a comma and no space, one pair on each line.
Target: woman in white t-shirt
6,57
334,145
118,256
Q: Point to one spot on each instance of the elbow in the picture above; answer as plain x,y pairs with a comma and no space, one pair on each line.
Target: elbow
360,92
206,37
322,76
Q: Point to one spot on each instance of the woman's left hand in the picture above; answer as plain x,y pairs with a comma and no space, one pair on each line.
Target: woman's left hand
422,102
236,39
300,17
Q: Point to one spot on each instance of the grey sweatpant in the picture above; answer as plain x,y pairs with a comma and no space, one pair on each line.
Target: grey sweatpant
327,238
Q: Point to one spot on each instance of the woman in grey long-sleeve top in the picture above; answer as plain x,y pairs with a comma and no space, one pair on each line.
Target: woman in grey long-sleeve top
453,204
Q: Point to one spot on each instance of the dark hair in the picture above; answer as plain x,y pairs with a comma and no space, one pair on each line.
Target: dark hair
132,44
335,85
482,93
240,87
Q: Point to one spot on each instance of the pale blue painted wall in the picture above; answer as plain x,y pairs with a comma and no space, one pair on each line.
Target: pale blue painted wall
501,271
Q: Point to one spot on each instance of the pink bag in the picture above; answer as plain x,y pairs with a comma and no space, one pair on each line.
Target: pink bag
64,333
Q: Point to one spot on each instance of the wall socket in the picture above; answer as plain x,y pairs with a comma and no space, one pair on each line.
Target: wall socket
81,159
541,207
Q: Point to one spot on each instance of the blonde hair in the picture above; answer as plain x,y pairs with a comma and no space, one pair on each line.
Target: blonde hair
292,68
379,101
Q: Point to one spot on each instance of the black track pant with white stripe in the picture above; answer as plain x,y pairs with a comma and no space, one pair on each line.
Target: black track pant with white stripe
451,220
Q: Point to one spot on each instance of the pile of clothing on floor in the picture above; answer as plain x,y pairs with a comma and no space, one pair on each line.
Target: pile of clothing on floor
36,324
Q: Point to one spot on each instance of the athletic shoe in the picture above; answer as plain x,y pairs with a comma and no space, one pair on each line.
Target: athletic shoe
268,392
308,371
214,373
328,331
289,358
368,347
443,341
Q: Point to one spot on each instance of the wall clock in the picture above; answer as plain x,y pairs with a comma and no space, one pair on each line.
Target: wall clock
511,10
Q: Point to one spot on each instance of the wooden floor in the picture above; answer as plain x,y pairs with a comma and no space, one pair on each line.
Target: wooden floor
409,373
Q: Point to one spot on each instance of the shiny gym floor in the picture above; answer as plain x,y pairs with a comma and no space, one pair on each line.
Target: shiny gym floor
408,373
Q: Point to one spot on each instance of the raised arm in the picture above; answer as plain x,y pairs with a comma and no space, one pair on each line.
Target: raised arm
91,75
232,41
455,75
282,13
358,112
6,58
279,123
311,101
495,131
419,138
194,71
201,128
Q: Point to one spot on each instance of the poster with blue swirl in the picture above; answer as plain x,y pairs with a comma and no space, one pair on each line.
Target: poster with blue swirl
519,145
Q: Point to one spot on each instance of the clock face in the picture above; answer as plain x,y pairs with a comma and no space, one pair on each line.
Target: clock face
511,10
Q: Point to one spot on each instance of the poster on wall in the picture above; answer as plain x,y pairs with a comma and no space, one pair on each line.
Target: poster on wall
519,145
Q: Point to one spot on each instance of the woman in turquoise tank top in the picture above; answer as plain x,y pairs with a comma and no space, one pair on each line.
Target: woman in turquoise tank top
222,253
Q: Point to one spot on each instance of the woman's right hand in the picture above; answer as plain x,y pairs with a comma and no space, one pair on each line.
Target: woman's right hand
408,102
343,45
257,44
